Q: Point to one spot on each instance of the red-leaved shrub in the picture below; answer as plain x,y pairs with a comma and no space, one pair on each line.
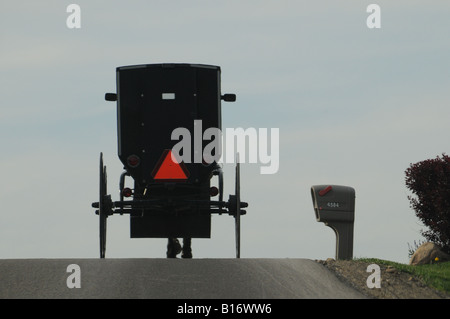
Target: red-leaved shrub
429,181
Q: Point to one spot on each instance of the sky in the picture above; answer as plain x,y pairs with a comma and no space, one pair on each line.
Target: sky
354,106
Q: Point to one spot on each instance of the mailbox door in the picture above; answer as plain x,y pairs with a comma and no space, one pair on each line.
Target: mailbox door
333,202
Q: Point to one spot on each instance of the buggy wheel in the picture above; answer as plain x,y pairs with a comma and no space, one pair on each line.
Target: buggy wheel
237,217
103,208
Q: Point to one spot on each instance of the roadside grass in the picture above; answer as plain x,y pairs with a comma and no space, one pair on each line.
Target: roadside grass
434,275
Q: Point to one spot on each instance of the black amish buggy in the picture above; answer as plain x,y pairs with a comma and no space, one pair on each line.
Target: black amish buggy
171,198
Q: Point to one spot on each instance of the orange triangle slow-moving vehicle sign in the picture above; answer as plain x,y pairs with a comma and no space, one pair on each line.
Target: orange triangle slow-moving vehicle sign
169,168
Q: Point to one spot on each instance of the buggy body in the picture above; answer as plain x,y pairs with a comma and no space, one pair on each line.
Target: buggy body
171,196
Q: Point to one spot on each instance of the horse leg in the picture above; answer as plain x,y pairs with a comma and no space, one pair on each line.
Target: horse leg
173,248
187,251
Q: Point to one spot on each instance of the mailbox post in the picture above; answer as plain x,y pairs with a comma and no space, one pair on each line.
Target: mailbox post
334,205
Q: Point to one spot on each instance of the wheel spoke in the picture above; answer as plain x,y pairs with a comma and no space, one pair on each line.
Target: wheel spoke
238,209
102,213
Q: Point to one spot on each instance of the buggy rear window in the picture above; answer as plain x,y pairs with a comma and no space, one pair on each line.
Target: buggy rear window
168,96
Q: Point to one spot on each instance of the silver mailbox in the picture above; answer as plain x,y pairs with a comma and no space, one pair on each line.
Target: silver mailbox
334,205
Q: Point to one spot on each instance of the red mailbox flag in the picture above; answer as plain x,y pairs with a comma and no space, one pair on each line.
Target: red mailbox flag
324,191
168,168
